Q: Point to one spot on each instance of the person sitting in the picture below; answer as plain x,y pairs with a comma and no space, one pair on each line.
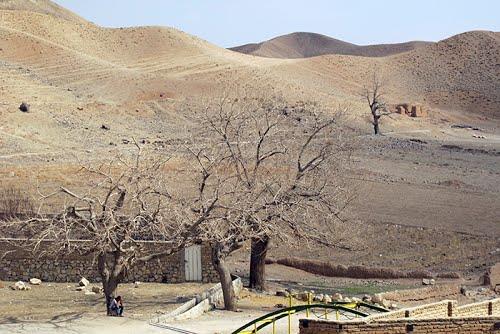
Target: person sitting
116,307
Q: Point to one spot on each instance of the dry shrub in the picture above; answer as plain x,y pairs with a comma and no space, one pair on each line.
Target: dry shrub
338,270
14,203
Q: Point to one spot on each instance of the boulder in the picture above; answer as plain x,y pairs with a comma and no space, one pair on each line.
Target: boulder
35,281
89,293
367,298
81,288
137,284
318,298
428,281
347,300
377,298
24,107
97,289
83,282
337,297
20,286
386,304
303,296
327,299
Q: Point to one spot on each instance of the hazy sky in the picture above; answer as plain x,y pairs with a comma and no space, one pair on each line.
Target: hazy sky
234,22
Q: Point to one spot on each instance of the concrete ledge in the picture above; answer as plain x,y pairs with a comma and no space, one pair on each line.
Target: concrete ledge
181,309
202,303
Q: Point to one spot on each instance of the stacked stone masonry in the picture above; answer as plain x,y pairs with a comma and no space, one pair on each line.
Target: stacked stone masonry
20,265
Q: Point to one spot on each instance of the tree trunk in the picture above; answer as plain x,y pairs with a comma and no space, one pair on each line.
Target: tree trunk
111,277
258,263
225,280
376,128
109,286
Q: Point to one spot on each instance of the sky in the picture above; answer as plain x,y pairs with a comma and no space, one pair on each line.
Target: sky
234,22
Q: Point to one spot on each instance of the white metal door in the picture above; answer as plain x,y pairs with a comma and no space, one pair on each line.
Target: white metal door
192,263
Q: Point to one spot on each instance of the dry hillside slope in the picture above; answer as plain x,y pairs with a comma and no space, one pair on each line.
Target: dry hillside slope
73,72
460,74
40,6
92,90
305,45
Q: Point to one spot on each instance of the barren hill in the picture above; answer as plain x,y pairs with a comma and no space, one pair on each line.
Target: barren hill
305,44
77,76
40,6
461,72
93,89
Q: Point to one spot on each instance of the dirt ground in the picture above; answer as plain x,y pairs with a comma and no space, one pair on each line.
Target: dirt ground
61,302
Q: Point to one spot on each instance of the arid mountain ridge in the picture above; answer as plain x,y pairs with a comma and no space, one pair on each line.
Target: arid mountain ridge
77,75
306,44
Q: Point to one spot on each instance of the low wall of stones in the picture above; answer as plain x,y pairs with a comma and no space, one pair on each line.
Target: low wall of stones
488,307
436,292
475,325
16,264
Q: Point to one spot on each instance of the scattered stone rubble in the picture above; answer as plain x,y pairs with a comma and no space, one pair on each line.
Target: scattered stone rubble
20,286
336,297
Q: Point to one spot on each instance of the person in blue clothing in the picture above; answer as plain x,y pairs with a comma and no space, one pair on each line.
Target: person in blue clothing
116,307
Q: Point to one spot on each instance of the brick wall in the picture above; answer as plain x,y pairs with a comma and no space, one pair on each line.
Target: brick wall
434,310
440,317
488,307
20,265
416,326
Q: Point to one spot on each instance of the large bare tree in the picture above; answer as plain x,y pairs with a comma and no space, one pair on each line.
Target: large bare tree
274,169
374,95
122,205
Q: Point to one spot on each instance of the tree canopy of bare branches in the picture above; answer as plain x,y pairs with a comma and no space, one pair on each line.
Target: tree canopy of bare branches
123,202
270,170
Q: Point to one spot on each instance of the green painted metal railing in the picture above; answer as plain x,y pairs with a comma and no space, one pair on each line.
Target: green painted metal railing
270,319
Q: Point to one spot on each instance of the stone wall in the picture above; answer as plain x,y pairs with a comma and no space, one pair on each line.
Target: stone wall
20,265
415,326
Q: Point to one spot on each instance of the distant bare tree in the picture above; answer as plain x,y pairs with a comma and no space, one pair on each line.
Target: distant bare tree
375,97
124,203
274,170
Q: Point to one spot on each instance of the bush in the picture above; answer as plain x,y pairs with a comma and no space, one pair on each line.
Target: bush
14,203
